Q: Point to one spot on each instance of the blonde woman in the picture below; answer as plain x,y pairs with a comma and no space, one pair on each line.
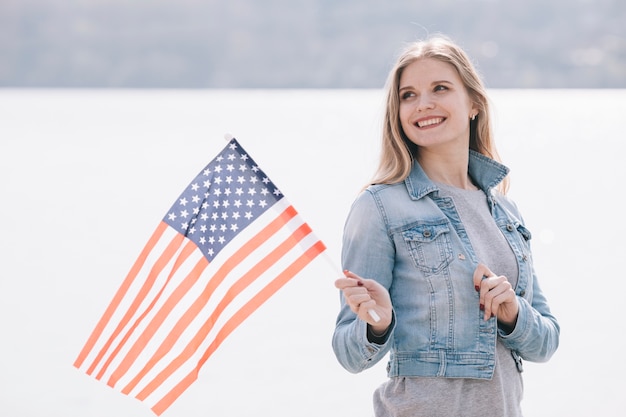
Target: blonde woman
438,265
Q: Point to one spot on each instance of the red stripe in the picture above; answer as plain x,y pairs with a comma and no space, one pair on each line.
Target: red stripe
192,312
119,295
236,320
141,342
232,293
161,262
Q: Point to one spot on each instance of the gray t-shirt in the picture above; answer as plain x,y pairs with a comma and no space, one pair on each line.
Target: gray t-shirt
454,397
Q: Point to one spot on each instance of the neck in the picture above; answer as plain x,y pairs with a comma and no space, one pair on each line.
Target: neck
447,169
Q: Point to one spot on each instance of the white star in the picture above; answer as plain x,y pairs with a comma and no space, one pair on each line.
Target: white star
216,203
184,226
195,198
192,230
237,203
184,213
219,158
266,180
227,191
223,228
217,192
229,179
251,191
210,252
235,215
230,167
183,201
234,227
171,216
231,157
221,239
206,184
248,215
218,180
202,240
277,191
211,240
195,186
250,203
239,191
264,191
204,216
253,180
240,179
244,157
262,203
206,172
196,210
255,168
243,167
225,203
203,228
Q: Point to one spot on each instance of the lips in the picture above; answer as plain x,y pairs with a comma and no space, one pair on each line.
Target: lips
430,121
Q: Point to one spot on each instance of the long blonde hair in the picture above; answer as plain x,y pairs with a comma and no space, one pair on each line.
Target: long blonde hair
398,152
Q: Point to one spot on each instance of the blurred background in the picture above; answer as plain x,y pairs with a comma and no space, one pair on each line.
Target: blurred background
109,107
303,43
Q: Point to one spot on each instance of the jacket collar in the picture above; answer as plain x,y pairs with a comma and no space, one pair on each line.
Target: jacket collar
485,172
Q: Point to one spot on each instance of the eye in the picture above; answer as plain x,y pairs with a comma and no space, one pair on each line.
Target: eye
406,95
440,87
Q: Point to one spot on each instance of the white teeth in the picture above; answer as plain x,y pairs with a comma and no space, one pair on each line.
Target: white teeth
429,122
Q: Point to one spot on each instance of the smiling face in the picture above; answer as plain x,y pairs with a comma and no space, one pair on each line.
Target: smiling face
435,108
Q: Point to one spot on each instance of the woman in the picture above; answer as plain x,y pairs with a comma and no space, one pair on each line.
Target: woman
438,267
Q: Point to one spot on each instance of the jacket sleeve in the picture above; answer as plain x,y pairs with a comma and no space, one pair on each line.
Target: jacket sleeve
369,252
536,333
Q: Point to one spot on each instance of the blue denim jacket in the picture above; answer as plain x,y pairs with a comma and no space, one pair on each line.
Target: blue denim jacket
412,241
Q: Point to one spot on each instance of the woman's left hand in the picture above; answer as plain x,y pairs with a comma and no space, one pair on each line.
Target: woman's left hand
497,297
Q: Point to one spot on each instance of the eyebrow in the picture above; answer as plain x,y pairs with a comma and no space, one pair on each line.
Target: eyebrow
433,83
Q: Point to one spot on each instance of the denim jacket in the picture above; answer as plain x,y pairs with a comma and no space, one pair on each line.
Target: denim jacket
412,241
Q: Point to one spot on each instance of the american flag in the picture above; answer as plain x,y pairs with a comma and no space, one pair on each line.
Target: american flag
227,244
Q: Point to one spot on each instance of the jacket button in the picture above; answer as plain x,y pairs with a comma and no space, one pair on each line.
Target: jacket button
522,293
510,227
426,233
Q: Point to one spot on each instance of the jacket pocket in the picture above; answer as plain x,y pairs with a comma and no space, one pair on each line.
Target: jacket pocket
430,246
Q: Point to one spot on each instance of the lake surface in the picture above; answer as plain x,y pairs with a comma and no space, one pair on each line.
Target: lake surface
85,175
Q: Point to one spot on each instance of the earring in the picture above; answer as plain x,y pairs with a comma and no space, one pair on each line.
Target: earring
474,116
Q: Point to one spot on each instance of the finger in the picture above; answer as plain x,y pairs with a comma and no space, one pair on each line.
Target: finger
495,295
480,273
350,274
343,283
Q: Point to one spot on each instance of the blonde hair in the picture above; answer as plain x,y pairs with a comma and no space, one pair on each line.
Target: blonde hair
398,152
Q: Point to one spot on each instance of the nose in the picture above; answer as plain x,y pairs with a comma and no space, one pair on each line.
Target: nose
424,102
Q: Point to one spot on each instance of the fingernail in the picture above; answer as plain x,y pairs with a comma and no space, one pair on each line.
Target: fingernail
482,307
359,283
477,288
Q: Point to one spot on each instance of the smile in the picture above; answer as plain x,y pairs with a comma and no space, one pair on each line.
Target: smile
429,122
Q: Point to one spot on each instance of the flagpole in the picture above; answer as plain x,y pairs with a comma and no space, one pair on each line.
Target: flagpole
371,311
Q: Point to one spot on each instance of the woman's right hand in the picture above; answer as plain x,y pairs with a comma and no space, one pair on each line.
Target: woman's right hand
365,295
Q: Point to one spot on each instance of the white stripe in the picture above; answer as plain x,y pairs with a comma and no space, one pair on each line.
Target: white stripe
239,301
128,299
184,269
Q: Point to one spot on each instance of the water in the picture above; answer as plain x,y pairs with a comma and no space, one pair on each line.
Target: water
86,175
